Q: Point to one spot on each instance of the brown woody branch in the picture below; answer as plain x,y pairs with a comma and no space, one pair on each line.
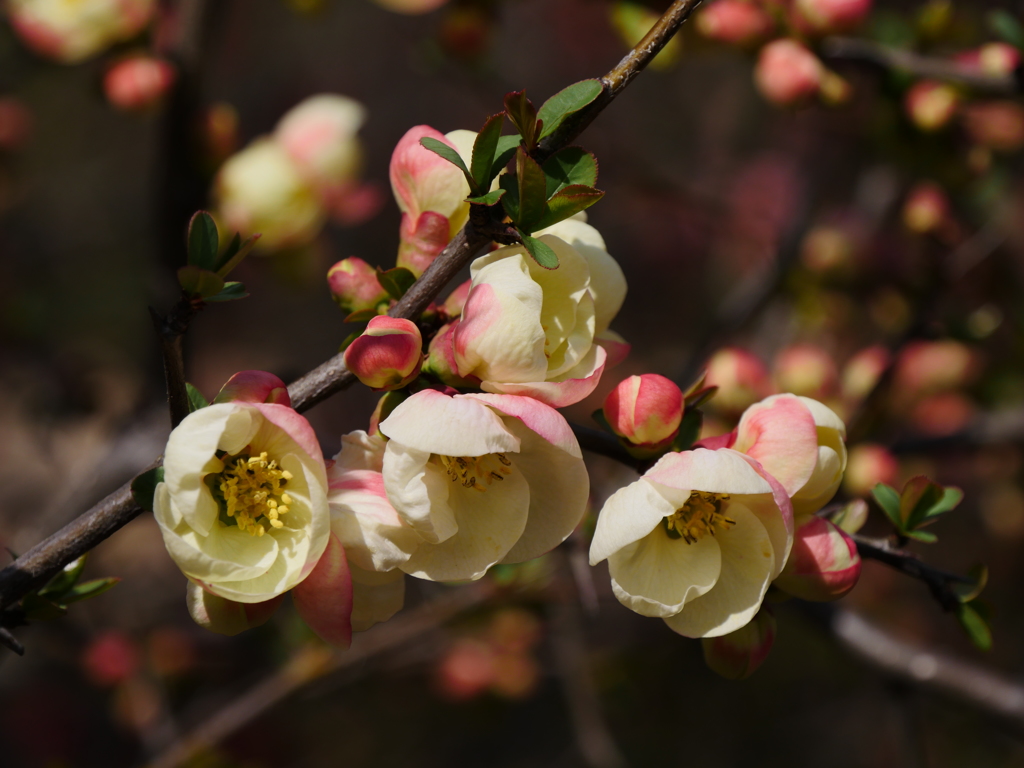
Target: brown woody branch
44,560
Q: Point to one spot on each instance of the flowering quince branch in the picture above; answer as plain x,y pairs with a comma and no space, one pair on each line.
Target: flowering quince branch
44,560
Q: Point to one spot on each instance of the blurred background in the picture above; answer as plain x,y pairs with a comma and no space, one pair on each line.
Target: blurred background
808,247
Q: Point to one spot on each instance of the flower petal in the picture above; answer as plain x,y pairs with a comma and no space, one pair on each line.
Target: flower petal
226,617
779,432
571,387
721,471
324,598
418,490
747,564
374,535
628,515
432,422
358,451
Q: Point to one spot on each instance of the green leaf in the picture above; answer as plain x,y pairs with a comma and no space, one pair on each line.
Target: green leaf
234,254
926,537
1006,26
202,241
396,281
64,580
491,198
975,626
196,400
979,579
484,147
503,153
196,281
568,202
697,397
951,498
689,430
532,192
350,338
231,292
569,166
38,608
567,101
361,316
449,154
923,500
540,251
144,486
88,589
523,114
889,501
510,200
851,518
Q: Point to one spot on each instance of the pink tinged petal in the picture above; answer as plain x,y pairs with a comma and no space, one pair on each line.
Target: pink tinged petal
616,347
627,516
418,490
824,564
324,598
451,426
747,564
657,575
538,417
723,471
254,387
441,359
573,386
781,435
737,655
717,442
227,617
423,181
776,515
376,597
295,426
374,535
422,240
457,299
489,525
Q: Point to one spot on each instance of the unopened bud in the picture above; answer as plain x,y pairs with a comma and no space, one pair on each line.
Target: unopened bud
422,240
457,300
441,363
926,208
388,355
254,387
738,654
998,58
787,72
805,369
930,105
354,285
319,135
227,617
736,22
868,465
740,376
138,82
863,370
645,410
931,366
823,565
830,16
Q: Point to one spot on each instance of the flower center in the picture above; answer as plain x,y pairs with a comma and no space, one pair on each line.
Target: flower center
701,514
476,472
252,491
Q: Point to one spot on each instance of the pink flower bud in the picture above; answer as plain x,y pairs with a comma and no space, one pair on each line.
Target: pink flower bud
863,370
138,82
828,16
736,22
805,369
388,355
998,125
930,105
998,58
868,465
930,366
787,72
354,285
319,135
441,363
926,208
943,414
738,654
15,123
254,387
422,240
645,410
467,670
740,376
457,300
823,564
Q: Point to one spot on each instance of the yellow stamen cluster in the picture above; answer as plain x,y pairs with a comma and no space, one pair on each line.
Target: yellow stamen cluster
700,515
476,472
253,491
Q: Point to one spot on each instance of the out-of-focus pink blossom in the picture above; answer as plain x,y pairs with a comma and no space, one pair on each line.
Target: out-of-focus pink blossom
930,104
997,125
737,22
411,7
740,376
830,16
868,465
15,123
138,82
787,72
942,414
931,366
805,369
862,371
926,208
111,658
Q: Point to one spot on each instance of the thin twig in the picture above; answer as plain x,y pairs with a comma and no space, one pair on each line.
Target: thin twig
938,581
171,329
857,49
314,662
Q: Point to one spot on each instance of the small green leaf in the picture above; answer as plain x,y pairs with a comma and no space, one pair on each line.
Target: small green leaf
350,338
689,430
951,498
503,153
975,626
233,256
484,147
697,397
361,316
1006,26
231,292
926,537
199,282
64,580
396,281
523,114
449,154
568,202
88,589
532,192
541,252
889,501
202,241
851,517
144,486
491,198
567,101
510,200
979,579
569,166
196,399
38,608
602,420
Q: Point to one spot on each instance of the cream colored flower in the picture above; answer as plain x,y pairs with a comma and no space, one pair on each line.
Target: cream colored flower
70,31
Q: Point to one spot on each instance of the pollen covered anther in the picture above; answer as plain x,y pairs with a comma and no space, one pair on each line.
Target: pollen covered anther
701,514
252,488
476,472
